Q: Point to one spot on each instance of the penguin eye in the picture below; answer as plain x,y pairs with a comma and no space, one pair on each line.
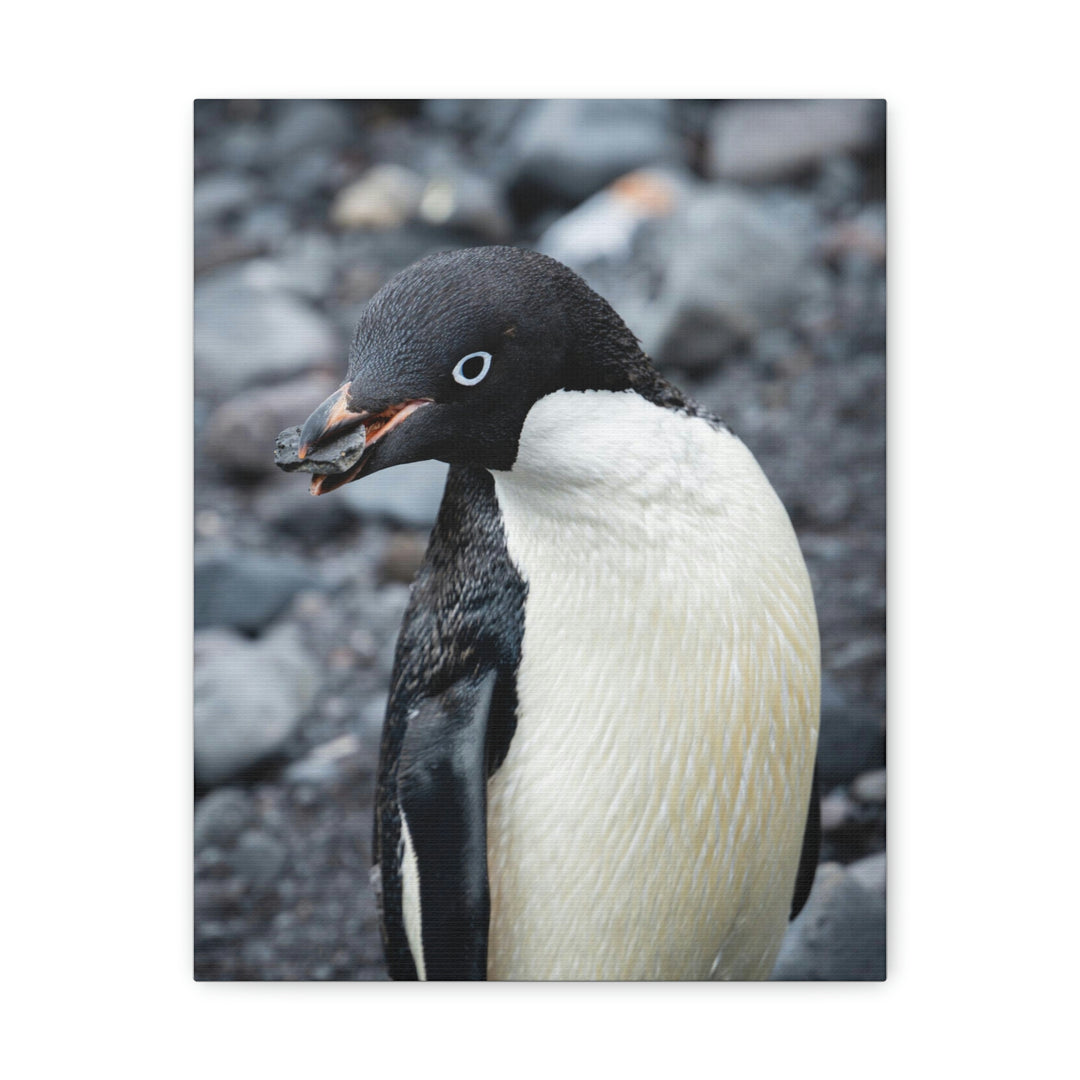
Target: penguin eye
469,370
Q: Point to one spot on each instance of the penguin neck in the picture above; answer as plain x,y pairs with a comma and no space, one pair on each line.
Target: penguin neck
581,449
611,472
612,467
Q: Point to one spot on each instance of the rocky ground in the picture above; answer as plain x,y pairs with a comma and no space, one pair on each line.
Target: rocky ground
743,242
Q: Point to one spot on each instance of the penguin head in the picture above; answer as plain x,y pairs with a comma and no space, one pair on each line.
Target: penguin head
452,353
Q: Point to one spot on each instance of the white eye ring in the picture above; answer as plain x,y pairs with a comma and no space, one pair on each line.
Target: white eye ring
459,368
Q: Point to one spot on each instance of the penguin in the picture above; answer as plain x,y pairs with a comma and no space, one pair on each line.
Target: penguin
598,756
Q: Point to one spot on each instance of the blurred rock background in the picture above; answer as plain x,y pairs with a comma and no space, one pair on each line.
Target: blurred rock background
743,242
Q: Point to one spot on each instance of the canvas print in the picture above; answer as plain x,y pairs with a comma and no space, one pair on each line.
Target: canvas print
539,540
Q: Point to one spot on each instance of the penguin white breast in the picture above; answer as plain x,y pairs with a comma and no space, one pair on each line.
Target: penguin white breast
648,818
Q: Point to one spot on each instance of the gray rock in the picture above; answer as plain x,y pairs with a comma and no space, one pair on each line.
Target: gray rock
246,590
258,859
851,740
485,121
249,330
721,269
265,227
605,225
329,762
572,148
239,435
387,611
249,699
737,265
754,141
309,125
313,174
372,715
837,811
870,787
403,557
219,193
307,263
243,146
870,873
840,934
827,500
406,495
221,816
385,197
839,185
286,506
332,458
455,198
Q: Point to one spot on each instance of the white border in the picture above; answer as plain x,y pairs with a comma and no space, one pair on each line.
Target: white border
982,545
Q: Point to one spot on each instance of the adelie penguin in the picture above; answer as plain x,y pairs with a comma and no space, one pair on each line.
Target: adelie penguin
598,755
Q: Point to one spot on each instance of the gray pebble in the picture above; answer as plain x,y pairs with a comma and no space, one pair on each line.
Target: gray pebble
839,935
328,459
258,859
221,816
870,787
249,699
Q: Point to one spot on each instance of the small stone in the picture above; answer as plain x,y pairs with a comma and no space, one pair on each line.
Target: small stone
247,590
715,297
870,873
258,859
373,714
329,458
304,125
258,955
249,699
839,935
402,558
851,740
455,199
337,708
385,197
221,816
862,236
209,524
243,145
870,787
405,495
221,193
754,141
328,763
247,332
828,500
363,643
239,435
836,811
287,508
265,227
605,225
567,149
858,652
342,659
211,862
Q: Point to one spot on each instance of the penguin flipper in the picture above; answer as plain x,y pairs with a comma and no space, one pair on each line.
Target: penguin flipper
442,789
452,696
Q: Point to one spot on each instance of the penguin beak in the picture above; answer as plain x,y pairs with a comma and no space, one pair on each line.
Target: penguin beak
334,426
330,422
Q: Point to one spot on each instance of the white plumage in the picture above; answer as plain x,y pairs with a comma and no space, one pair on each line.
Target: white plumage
648,819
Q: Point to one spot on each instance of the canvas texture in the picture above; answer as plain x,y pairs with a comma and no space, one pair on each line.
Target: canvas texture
570,727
